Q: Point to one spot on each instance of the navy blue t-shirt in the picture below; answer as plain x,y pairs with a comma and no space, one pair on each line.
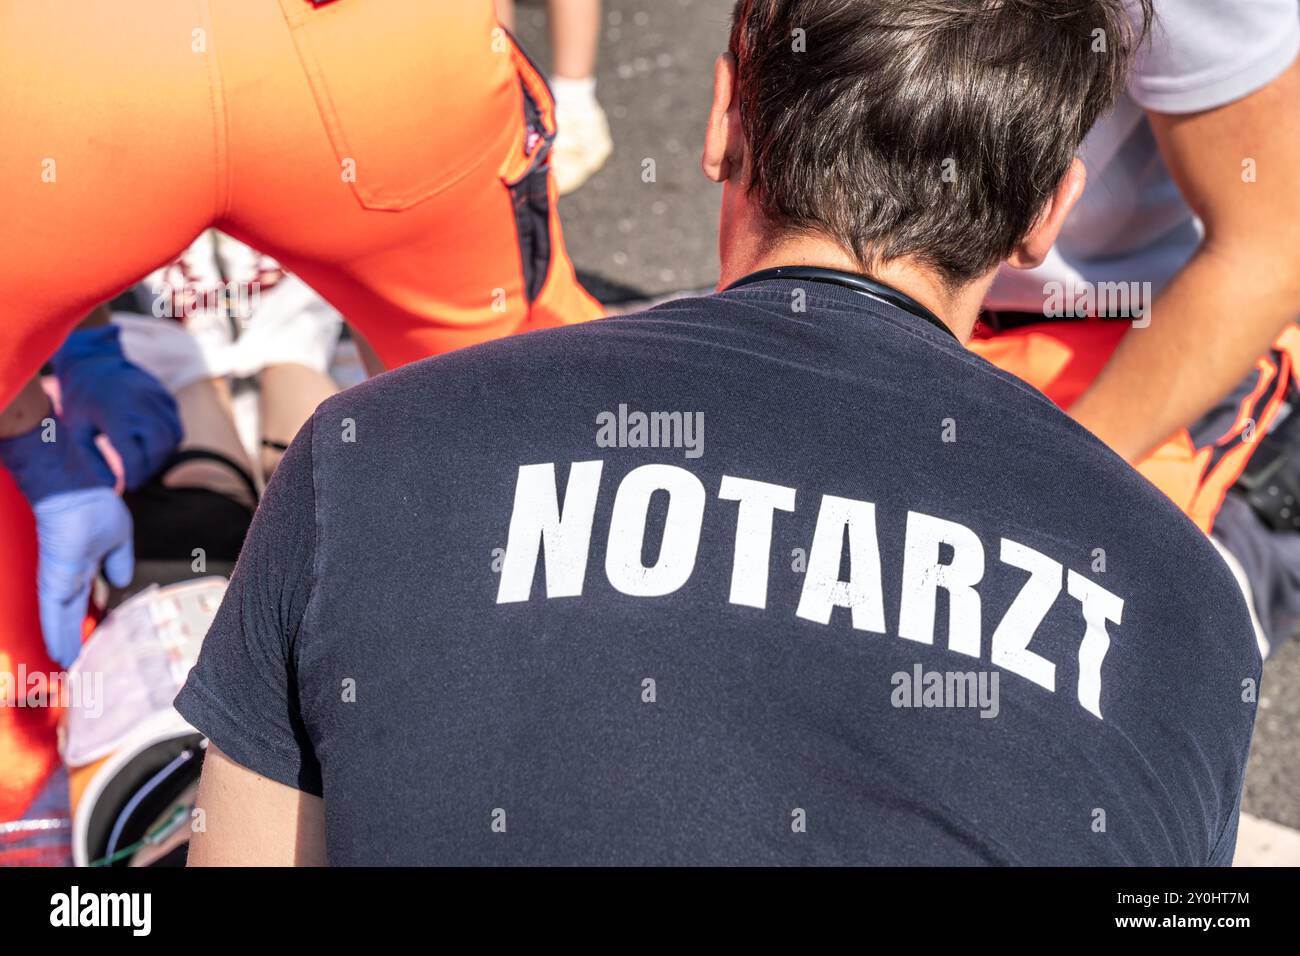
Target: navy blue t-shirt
781,575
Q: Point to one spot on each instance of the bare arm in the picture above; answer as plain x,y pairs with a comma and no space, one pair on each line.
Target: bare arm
1239,291
249,820
31,405
575,36
26,411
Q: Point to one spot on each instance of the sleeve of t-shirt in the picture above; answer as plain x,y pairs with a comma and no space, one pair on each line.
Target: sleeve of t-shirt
242,693
1205,53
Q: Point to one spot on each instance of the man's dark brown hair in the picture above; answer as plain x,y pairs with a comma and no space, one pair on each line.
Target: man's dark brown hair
934,129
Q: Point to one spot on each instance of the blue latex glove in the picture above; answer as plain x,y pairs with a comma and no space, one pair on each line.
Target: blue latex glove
76,531
103,393
80,522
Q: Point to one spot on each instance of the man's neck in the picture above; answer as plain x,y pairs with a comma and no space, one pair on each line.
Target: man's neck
957,310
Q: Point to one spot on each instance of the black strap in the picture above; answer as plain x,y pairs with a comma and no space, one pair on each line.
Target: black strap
1000,321
849,280
207,454
1271,480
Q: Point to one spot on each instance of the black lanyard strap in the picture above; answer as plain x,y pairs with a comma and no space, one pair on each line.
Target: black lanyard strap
849,280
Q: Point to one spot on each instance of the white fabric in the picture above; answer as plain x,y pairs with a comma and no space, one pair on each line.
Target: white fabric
290,324
169,352
1132,224
139,656
183,339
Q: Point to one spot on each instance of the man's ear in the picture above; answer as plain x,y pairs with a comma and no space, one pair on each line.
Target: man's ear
724,141
1038,242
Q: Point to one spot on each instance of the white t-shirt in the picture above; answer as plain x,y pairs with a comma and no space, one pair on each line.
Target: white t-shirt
1132,225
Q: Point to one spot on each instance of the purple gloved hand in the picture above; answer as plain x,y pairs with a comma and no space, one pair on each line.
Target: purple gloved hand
104,394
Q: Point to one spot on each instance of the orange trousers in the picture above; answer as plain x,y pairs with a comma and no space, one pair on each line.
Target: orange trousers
1061,359
391,154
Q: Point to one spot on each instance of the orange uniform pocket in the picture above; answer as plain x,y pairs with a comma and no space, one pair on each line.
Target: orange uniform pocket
413,94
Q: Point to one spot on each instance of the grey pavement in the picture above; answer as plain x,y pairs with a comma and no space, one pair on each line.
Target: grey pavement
654,78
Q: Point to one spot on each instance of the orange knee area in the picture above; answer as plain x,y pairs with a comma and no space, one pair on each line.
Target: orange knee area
1061,359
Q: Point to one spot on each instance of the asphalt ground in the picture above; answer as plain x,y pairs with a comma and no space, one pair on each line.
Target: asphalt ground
632,238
